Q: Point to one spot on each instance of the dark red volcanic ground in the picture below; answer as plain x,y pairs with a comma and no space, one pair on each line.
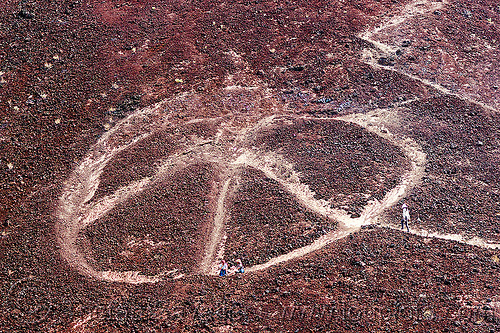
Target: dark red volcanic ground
363,93
169,214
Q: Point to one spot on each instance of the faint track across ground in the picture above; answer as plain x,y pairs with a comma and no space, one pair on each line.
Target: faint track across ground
418,7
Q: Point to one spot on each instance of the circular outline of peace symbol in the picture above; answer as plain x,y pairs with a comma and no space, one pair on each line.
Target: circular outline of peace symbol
229,149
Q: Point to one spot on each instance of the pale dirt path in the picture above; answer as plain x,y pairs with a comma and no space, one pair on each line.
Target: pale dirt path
300,252
216,237
74,212
375,122
474,241
413,9
229,150
438,87
372,210
87,213
80,188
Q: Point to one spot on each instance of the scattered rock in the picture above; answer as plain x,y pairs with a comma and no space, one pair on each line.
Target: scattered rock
368,227
395,255
24,14
323,100
467,13
406,43
129,104
358,263
386,61
296,68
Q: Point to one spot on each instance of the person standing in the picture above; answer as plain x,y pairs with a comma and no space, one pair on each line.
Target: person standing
406,217
223,268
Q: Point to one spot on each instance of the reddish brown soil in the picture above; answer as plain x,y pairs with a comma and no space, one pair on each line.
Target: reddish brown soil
456,47
139,161
67,66
320,149
266,221
377,278
460,193
143,158
162,229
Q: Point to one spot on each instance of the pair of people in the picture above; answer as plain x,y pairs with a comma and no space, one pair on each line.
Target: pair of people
238,268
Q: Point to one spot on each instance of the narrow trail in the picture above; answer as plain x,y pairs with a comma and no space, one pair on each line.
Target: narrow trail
438,87
75,211
85,214
413,9
474,241
372,210
300,252
216,236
